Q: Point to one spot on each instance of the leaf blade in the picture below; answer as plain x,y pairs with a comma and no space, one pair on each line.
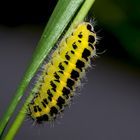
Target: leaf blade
63,16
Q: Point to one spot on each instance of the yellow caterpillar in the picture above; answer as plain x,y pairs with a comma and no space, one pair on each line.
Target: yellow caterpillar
62,73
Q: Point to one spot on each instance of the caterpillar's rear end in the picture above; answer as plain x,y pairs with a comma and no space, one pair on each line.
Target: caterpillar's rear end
62,74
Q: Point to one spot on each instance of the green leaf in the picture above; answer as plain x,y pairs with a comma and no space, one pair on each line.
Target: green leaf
60,18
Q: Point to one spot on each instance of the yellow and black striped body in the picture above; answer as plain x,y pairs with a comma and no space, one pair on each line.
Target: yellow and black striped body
62,74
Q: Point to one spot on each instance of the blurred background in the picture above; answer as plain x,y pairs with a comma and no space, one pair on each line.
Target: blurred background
108,107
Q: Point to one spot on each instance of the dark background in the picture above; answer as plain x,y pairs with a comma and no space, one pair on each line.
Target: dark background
108,107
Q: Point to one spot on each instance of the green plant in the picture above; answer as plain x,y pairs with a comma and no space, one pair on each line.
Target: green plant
62,15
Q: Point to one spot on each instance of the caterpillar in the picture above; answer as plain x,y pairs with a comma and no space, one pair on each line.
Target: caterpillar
62,74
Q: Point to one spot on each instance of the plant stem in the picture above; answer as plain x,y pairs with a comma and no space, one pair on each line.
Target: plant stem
61,16
80,15
20,117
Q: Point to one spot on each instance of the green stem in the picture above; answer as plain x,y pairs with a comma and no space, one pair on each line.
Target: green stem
61,16
80,15
20,117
